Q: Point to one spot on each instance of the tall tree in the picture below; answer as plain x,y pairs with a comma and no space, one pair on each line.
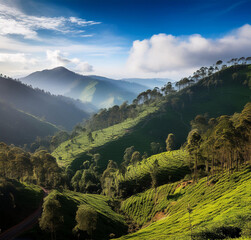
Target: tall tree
51,217
193,145
170,142
87,220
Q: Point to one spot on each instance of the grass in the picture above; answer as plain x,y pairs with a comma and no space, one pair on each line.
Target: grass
225,201
143,207
167,161
173,166
71,149
109,220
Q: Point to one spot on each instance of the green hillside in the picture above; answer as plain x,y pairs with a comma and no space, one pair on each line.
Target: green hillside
18,127
221,202
171,167
224,92
80,145
108,220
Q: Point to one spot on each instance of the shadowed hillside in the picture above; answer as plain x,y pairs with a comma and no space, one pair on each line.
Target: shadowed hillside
54,109
18,127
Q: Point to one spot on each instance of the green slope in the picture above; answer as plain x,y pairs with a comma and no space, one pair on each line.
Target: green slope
172,166
76,148
224,201
223,93
109,221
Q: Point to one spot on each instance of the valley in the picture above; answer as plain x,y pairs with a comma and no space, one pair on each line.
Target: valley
170,165
125,120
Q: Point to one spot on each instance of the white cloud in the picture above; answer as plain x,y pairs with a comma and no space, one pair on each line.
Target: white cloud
86,35
17,58
84,67
13,21
170,54
17,64
82,22
57,58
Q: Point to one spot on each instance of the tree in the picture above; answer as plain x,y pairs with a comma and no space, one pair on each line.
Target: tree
108,179
193,146
97,159
89,181
52,217
153,173
136,157
155,147
168,88
248,59
178,85
87,220
219,62
128,154
242,60
170,142
90,138
225,135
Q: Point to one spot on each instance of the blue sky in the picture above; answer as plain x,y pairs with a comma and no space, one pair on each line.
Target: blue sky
122,38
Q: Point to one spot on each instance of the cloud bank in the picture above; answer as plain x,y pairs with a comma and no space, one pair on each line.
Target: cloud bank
13,21
170,54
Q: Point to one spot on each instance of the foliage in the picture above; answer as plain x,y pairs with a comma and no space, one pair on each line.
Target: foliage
224,144
52,217
39,168
86,218
170,142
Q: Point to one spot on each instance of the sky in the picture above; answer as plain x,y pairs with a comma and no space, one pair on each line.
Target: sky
122,38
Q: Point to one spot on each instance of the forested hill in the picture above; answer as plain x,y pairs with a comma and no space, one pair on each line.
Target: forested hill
153,115
57,110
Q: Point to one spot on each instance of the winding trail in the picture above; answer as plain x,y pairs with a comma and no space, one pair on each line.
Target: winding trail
26,224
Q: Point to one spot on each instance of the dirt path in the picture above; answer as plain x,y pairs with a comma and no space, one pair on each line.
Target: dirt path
26,224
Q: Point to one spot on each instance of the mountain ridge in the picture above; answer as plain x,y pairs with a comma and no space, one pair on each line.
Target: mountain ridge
96,90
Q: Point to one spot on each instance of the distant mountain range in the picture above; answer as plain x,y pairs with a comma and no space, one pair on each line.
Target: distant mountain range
99,91
149,82
25,110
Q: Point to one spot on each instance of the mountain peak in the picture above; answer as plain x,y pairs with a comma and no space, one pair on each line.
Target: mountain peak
60,68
